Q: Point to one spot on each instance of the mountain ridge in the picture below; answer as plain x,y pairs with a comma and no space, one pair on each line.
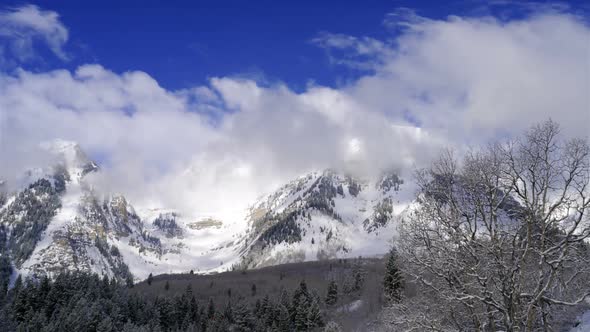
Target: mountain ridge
321,215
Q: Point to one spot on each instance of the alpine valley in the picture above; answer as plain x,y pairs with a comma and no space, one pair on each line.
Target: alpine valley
56,221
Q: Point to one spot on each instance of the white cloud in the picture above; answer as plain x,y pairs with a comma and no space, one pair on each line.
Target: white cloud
155,148
364,53
404,18
21,27
476,78
462,80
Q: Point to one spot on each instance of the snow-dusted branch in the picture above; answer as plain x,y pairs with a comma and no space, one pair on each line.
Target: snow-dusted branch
498,239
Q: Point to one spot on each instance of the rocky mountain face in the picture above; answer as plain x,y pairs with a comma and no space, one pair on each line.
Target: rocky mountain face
323,215
59,223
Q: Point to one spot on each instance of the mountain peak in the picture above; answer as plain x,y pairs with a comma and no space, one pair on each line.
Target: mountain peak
71,152
70,155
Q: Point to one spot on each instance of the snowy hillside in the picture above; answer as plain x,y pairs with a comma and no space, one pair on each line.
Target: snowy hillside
325,215
58,222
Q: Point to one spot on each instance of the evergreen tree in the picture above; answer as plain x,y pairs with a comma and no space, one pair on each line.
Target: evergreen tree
210,309
283,318
85,302
105,325
44,287
243,318
285,298
192,328
267,312
184,303
300,319
150,278
36,323
203,319
332,327
164,307
228,312
167,285
129,281
253,289
358,278
302,290
258,308
300,307
130,327
286,301
194,310
332,296
314,314
18,284
186,322
393,281
21,303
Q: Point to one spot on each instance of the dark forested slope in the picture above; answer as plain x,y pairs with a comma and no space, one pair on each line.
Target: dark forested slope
290,297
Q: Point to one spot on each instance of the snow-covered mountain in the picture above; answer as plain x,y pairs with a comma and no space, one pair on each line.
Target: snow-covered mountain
324,215
58,222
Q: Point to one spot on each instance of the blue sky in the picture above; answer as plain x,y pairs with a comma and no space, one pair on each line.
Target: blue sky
183,43
184,102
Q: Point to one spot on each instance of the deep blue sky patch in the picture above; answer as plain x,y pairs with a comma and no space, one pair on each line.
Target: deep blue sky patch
183,43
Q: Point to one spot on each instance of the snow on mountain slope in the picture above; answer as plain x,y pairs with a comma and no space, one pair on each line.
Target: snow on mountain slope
325,215
60,223
84,230
70,155
187,243
65,214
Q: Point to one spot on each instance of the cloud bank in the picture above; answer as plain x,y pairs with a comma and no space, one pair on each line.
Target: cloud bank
22,27
457,81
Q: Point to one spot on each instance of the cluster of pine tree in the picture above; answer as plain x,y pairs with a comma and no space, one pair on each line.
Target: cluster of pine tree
322,199
168,225
28,216
85,302
283,229
393,283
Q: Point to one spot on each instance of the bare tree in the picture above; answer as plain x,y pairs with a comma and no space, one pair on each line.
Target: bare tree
497,242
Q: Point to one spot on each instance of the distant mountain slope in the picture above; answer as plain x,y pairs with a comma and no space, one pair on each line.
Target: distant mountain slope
359,283
324,215
58,223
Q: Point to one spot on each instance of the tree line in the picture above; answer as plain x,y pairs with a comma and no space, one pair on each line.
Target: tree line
86,302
